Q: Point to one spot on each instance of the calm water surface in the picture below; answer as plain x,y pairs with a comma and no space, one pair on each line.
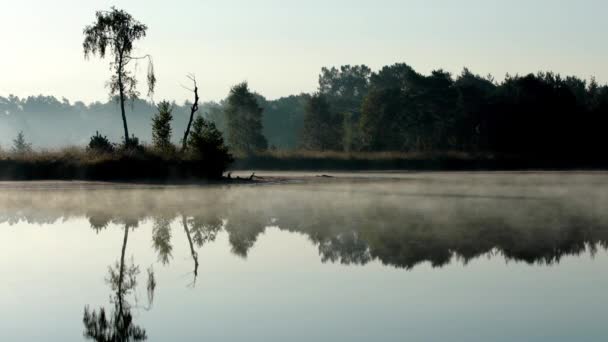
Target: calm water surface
358,257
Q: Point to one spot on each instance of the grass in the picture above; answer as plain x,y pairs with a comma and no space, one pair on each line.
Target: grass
146,164
76,163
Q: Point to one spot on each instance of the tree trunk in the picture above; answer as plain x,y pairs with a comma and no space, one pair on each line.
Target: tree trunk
192,251
121,90
121,272
193,110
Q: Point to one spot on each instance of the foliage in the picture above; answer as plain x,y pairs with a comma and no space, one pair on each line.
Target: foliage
116,31
344,89
283,119
20,145
207,145
321,129
100,144
161,128
244,121
133,146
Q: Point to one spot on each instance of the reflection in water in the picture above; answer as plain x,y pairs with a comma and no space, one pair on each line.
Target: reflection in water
192,251
352,224
349,226
119,326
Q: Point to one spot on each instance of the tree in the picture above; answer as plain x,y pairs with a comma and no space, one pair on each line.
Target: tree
345,89
283,120
117,30
20,145
383,122
321,129
244,121
206,144
161,127
193,110
100,144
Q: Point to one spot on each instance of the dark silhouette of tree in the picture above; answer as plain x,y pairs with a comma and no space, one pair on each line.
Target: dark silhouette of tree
193,110
345,89
283,120
100,144
161,128
383,120
321,129
206,144
117,30
244,121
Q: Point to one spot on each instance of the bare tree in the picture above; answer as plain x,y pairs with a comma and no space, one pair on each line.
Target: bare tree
193,110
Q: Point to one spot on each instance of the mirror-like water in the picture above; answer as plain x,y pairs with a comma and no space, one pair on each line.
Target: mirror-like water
388,257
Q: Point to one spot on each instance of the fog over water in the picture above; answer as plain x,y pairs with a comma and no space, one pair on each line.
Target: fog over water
382,256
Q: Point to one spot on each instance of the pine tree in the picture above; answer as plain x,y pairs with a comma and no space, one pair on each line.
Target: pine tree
206,144
20,145
244,121
161,128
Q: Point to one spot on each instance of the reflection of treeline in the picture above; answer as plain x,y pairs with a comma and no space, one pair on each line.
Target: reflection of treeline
350,232
392,109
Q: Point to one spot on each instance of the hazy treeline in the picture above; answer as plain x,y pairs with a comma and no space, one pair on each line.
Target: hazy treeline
357,109
51,122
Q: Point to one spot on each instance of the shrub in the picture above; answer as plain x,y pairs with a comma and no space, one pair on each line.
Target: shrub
132,146
206,144
100,144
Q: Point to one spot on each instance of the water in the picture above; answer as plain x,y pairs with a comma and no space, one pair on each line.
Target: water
358,257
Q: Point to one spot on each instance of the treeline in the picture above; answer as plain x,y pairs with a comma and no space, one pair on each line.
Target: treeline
357,109
399,109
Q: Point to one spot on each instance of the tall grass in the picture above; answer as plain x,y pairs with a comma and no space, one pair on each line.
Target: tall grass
74,162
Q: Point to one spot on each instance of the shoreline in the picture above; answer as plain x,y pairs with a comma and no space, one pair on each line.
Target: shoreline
273,177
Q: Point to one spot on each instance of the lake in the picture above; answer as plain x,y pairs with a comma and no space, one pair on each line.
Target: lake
351,257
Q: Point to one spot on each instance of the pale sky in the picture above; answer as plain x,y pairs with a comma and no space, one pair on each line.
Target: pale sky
279,46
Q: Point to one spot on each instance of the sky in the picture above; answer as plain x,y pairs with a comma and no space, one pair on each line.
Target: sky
280,46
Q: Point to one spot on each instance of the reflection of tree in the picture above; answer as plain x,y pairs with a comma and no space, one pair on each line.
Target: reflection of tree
161,238
192,251
243,233
204,229
200,230
119,326
347,248
99,221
